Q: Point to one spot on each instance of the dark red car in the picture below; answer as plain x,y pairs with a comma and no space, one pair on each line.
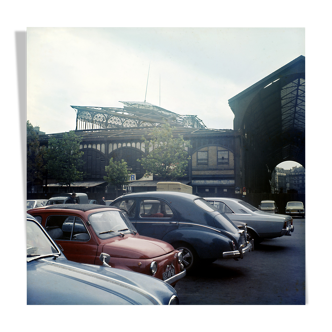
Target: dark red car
85,231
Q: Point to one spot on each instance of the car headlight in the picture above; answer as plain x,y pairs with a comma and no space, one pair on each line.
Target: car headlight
174,300
180,257
153,267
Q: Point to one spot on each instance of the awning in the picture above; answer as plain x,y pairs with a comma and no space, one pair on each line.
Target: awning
86,184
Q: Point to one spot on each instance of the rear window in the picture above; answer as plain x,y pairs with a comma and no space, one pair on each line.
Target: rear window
205,205
267,205
248,206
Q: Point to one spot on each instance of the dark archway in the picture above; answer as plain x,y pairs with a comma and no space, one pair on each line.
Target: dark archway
271,119
94,164
130,155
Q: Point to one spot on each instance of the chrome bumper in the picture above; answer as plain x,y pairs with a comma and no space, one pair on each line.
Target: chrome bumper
287,230
176,277
239,253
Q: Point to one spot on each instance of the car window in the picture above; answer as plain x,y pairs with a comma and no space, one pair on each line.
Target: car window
203,204
247,205
30,204
38,218
37,242
128,205
221,206
267,205
108,224
155,209
66,228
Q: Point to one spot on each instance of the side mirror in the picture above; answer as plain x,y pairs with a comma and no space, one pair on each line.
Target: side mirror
105,258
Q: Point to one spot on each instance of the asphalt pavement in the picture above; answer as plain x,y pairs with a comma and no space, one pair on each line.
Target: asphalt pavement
274,273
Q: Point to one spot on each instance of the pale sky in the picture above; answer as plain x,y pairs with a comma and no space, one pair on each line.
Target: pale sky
192,70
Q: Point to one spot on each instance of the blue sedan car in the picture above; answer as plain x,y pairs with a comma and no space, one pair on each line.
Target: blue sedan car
188,223
52,279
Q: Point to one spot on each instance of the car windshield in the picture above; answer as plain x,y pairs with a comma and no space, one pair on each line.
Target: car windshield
267,205
248,206
30,204
295,204
38,244
107,224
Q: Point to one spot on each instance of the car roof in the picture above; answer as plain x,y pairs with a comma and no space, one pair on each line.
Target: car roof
160,194
80,207
267,201
223,198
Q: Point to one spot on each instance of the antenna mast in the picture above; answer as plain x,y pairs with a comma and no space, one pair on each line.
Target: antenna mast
146,90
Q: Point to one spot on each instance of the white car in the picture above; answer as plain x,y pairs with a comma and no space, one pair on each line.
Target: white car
33,203
295,208
268,206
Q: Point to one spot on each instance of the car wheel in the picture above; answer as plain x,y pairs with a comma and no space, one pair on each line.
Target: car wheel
189,255
253,236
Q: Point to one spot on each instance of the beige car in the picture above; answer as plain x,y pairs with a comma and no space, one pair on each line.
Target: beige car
268,206
295,208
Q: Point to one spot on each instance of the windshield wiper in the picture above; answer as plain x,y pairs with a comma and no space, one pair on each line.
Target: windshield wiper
36,256
110,231
121,230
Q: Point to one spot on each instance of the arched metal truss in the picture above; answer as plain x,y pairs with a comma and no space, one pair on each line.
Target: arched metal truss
270,116
133,115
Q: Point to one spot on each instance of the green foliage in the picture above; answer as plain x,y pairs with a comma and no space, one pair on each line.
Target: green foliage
35,155
169,159
117,173
64,159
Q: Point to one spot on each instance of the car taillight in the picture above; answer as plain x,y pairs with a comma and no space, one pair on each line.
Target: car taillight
285,224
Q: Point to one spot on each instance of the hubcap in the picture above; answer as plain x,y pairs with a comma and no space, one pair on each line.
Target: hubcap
188,257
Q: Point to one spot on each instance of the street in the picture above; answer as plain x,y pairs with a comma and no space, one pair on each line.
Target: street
272,274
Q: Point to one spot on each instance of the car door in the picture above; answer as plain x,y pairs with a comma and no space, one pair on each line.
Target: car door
155,218
73,238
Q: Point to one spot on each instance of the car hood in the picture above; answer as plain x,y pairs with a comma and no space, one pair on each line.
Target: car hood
64,282
137,247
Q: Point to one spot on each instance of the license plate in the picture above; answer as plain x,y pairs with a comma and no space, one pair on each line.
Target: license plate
168,274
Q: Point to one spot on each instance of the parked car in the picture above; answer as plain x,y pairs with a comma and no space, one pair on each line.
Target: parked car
187,222
32,203
84,231
93,201
260,225
268,206
295,208
81,198
52,279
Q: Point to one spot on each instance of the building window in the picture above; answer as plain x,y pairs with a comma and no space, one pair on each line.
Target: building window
202,158
223,157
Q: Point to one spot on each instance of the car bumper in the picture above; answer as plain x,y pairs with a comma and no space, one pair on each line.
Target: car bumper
288,230
176,277
239,253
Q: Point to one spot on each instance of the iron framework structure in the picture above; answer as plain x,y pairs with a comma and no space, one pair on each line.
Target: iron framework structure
132,115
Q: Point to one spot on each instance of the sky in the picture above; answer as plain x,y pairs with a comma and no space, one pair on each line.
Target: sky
184,70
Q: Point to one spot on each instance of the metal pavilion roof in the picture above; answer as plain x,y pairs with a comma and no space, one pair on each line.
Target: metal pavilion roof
134,114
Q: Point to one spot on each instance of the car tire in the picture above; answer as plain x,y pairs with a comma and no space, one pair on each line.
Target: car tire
254,236
190,257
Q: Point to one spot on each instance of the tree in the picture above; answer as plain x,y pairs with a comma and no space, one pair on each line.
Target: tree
35,156
64,159
168,159
117,173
